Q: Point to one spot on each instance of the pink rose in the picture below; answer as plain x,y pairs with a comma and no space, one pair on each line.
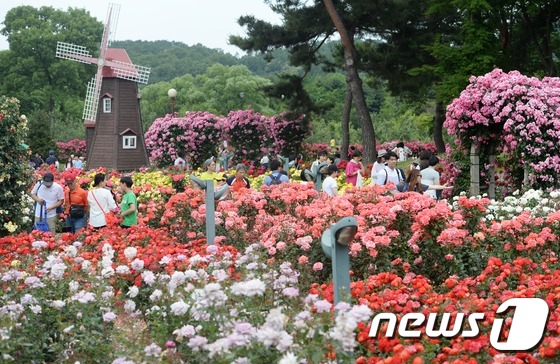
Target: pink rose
318,266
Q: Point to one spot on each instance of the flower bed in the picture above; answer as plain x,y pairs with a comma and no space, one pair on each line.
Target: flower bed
263,293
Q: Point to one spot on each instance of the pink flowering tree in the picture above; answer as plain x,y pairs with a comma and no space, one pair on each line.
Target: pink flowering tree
519,114
71,147
249,133
288,131
196,136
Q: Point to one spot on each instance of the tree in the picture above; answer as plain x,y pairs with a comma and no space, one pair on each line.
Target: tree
218,90
35,75
354,83
305,30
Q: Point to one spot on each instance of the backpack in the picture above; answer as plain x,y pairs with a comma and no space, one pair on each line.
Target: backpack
275,180
401,186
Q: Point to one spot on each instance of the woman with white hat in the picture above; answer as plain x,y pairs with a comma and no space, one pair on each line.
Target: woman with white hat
378,165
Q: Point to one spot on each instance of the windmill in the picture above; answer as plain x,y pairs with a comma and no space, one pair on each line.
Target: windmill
114,136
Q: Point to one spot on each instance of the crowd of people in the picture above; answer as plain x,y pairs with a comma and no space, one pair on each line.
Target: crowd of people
92,208
74,161
83,208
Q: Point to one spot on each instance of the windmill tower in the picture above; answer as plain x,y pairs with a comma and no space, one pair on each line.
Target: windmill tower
114,134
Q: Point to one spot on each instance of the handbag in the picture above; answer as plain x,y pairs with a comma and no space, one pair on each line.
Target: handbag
42,224
110,219
76,211
359,180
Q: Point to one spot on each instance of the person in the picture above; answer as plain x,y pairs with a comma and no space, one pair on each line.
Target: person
239,181
353,167
391,173
378,165
336,158
129,205
351,151
38,161
50,195
210,173
179,161
330,187
322,157
276,177
414,183
100,202
76,203
51,159
77,162
265,162
424,157
430,176
401,151
68,164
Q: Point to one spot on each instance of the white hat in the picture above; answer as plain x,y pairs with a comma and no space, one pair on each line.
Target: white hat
381,153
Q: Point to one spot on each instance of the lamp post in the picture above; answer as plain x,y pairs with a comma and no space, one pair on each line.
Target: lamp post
172,93
316,175
210,196
241,96
334,242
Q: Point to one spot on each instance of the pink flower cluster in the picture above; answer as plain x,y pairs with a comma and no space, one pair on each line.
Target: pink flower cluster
71,147
197,136
522,112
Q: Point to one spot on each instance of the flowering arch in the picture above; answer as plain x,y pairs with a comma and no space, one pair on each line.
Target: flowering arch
519,114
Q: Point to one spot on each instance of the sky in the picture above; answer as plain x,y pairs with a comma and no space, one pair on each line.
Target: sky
208,22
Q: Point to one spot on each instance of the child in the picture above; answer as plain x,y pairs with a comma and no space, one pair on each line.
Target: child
129,210
329,184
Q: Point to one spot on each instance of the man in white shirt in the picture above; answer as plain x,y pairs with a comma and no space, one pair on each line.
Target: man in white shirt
430,176
49,195
330,187
391,173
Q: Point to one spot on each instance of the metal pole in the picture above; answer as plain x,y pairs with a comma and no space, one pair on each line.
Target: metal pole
318,183
475,171
341,268
210,220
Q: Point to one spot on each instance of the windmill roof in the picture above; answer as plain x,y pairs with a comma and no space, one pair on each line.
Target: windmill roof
115,54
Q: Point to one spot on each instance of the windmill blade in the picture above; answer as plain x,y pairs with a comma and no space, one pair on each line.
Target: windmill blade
129,71
91,101
112,21
73,52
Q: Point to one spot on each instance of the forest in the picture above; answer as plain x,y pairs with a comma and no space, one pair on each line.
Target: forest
384,78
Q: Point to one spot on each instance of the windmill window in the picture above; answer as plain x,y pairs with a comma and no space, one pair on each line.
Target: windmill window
129,142
107,105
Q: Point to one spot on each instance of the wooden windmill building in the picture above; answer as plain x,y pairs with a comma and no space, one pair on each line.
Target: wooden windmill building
112,119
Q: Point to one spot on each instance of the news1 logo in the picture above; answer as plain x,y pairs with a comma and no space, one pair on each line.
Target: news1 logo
527,325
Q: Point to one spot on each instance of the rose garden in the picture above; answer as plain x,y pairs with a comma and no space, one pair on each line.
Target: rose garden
263,292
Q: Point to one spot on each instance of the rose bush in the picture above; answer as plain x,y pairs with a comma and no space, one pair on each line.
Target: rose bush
15,173
520,113
157,292
195,136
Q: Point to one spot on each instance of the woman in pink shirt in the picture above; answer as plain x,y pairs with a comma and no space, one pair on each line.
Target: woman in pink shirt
353,167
